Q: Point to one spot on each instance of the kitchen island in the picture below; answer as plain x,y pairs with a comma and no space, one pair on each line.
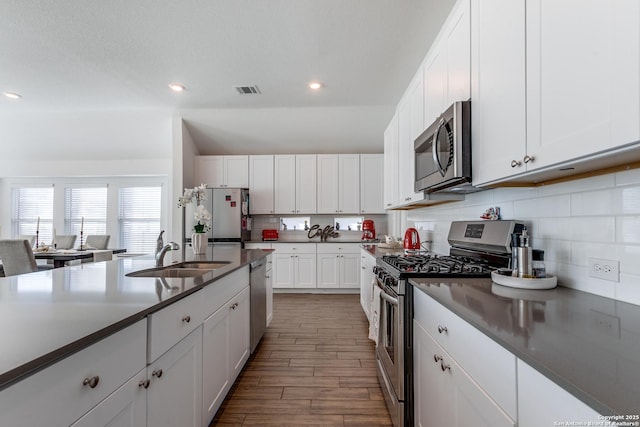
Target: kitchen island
52,316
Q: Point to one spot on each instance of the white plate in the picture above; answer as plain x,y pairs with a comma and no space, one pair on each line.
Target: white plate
504,278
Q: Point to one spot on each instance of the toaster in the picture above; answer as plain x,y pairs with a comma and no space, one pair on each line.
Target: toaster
270,234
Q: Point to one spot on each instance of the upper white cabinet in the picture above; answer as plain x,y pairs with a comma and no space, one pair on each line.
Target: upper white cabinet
295,184
498,87
546,92
338,183
372,183
406,154
223,171
261,190
391,163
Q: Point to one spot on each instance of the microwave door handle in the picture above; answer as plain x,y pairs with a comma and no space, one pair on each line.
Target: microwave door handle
434,146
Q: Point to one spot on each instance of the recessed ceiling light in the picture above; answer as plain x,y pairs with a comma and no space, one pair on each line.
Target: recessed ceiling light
12,95
315,85
176,87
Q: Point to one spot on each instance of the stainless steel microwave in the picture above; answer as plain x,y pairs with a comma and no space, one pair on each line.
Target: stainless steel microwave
443,152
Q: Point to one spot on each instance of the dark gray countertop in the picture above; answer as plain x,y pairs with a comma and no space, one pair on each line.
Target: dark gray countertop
587,344
48,315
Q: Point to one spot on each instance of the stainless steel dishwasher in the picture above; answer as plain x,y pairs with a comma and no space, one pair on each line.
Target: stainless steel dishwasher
258,287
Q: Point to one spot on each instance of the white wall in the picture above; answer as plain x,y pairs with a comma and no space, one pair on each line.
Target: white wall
573,221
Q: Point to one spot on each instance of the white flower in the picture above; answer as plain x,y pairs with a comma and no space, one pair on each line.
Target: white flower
198,193
202,217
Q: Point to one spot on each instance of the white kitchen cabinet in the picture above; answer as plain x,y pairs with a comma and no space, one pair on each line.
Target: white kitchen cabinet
542,403
435,82
498,87
225,350
174,396
261,189
583,91
367,262
223,171
294,265
406,155
338,265
457,33
391,189
372,184
445,394
62,393
417,100
126,407
338,183
295,184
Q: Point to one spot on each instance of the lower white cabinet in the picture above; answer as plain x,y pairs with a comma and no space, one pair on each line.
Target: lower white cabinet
225,350
269,283
542,403
174,396
338,265
126,407
294,265
367,262
444,392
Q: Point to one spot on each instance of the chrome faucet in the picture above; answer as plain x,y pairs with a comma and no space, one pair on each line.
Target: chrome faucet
171,246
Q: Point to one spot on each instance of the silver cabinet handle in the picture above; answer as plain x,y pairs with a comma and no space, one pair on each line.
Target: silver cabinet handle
144,383
157,373
437,358
528,159
186,319
515,163
442,329
234,306
444,367
91,382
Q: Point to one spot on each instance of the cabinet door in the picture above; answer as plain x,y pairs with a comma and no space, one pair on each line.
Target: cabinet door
283,270
349,271
306,184
372,183
328,271
126,407
406,155
305,271
435,82
328,184
240,332
349,183
583,91
391,163
285,184
174,397
215,362
498,88
458,38
416,93
366,277
542,403
236,171
261,185
210,171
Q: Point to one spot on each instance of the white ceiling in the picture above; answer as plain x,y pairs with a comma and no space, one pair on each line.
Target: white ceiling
97,55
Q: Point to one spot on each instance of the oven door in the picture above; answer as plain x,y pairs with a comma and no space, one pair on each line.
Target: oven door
390,347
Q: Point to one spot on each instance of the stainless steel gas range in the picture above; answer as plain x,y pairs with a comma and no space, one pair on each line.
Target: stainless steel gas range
477,248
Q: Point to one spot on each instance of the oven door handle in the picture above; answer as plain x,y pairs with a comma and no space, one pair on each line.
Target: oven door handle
385,296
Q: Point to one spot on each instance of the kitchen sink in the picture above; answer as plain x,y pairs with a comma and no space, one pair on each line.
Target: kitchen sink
183,269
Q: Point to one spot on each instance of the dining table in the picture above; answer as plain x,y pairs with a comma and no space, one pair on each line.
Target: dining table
61,257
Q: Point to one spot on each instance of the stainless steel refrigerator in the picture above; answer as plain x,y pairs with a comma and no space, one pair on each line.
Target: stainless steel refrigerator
230,222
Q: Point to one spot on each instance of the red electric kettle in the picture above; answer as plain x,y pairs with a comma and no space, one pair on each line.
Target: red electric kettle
411,239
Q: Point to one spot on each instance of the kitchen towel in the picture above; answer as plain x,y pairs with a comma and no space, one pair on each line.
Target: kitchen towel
374,323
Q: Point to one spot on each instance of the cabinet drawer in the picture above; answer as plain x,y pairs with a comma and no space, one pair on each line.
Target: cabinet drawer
257,245
174,322
338,248
223,289
56,396
293,248
488,363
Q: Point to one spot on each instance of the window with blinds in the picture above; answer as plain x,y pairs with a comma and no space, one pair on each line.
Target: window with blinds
29,204
89,204
139,218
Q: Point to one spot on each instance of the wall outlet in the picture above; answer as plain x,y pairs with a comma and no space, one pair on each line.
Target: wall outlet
605,269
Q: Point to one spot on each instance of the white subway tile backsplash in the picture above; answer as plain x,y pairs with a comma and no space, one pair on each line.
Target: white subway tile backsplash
627,177
586,184
581,229
628,201
628,229
554,206
594,203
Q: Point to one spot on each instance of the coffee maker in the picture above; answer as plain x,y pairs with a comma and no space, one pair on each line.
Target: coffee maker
368,230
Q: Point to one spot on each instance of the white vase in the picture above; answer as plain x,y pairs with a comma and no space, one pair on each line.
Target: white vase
199,243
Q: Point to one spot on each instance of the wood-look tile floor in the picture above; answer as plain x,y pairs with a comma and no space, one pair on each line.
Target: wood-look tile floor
314,366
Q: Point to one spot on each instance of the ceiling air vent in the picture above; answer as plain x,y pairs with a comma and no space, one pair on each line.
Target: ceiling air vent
247,90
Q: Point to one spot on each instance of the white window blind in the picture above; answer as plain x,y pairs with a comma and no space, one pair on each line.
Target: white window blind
139,218
87,203
29,204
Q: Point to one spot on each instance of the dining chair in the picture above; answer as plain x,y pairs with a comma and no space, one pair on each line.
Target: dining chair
98,241
65,241
29,237
17,257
